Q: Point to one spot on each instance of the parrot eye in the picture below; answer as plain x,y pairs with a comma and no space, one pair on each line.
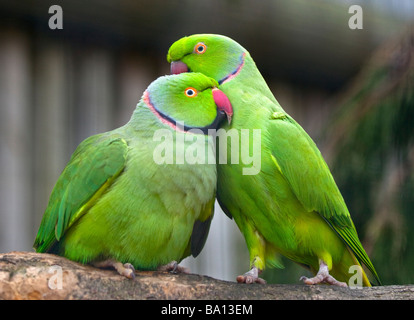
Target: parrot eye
200,48
190,92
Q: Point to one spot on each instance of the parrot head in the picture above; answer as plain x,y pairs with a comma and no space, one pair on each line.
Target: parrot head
188,100
216,56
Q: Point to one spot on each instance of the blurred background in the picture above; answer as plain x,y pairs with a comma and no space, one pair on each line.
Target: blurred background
351,90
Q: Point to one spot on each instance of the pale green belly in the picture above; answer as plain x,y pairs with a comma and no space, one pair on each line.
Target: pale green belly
146,218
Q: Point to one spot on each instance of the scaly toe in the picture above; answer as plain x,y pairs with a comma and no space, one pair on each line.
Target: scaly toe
129,271
250,279
322,279
252,276
173,267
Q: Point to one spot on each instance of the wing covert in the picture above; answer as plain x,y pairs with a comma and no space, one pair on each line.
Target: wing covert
93,167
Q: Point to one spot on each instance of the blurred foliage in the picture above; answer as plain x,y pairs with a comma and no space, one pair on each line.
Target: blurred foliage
369,146
371,141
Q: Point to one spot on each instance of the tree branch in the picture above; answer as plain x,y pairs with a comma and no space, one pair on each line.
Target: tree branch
28,275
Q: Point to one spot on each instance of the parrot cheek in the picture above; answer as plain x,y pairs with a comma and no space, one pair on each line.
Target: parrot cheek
178,67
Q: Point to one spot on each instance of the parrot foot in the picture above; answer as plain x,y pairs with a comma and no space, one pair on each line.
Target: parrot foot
124,269
323,276
173,267
251,276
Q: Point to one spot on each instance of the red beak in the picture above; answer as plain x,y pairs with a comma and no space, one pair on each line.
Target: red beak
178,67
223,103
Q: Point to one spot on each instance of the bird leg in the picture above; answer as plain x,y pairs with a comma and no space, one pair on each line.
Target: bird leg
124,269
251,276
323,276
173,267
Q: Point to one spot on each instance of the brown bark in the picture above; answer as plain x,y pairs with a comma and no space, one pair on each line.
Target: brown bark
28,275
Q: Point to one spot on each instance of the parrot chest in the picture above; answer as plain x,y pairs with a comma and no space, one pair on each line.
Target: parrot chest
146,217
183,179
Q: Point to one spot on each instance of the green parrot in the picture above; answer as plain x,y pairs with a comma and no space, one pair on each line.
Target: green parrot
141,196
290,205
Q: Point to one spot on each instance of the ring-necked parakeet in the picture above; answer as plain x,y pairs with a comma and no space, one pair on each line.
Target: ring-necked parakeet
118,204
292,206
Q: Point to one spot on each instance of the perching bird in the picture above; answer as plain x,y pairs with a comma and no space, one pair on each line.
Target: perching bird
291,204
141,196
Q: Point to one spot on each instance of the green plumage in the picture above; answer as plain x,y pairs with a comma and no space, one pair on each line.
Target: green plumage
114,201
292,206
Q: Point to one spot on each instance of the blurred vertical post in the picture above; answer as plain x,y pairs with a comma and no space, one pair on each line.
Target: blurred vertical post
15,143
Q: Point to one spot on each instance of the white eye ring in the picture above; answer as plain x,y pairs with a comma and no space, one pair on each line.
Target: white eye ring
190,92
200,48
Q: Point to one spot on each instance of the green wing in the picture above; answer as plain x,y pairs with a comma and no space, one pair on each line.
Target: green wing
301,163
93,167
